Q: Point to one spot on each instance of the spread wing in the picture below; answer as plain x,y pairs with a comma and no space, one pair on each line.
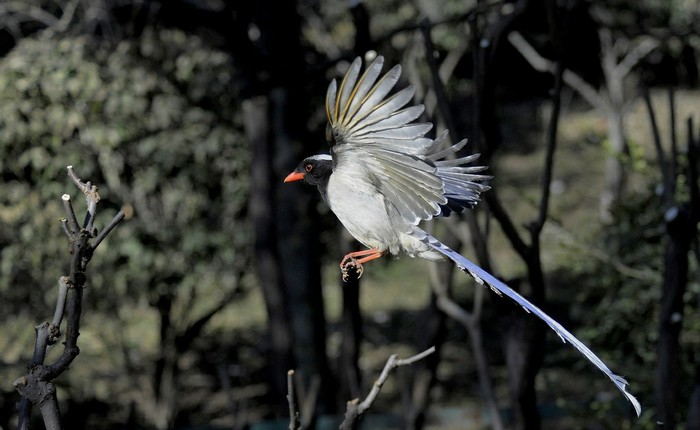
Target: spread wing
369,127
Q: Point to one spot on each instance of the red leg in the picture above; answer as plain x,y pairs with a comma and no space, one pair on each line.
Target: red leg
350,261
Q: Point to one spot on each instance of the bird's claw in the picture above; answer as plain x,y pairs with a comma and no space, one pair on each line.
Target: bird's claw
350,262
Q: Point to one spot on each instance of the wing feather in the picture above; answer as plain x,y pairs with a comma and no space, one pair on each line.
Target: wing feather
382,110
346,89
330,100
364,86
407,132
379,91
368,125
395,120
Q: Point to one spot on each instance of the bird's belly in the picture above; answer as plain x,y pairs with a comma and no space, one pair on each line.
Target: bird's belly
363,213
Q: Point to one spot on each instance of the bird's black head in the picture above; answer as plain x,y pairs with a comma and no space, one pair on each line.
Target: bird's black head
313,170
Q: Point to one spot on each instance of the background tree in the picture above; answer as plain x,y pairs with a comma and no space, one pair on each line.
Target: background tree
75,99
193,111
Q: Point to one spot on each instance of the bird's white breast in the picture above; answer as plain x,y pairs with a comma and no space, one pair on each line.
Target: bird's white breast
367,215
361,209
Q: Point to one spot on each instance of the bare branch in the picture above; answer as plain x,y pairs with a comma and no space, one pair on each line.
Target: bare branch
439,88
49,409
390,365
66,229
541,64
693,174
569,239
35,13
291,399
533,57
538,224
55,327
673,166
41,393
660,154
636,55
507,225
92,197
36,386
72,220
310,401
100,237
470,321
67,17
355,408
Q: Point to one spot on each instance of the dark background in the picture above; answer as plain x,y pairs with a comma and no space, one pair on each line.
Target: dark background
189,114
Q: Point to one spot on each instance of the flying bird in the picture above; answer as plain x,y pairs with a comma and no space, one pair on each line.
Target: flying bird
383,177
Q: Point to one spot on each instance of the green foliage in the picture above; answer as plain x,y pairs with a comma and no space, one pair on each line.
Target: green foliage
150,121
624,323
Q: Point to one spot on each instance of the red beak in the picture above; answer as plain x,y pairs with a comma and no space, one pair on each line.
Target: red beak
294,176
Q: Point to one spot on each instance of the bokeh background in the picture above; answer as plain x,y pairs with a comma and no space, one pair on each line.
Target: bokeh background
189,113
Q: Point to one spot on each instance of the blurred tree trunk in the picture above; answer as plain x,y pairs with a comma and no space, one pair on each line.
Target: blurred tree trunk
424,372
286,237
523,341
163,408
351,318
681,231
694,409
681,219
255,113
615,170
350,376
442,304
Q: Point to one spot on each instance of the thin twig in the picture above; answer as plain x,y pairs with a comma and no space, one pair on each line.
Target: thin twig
541,64
537,225
355,408
70,215
637,54
55,331
674,145
470,321
46,334
33,12
479,9
393,362
92,197
310,401
568,239
442,99
660,154
100,237
66,229
693,157
66,17
291,399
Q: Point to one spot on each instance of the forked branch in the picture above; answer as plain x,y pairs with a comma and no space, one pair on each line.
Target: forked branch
35,386
355,408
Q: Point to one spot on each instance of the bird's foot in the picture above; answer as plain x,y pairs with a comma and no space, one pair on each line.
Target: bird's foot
350,262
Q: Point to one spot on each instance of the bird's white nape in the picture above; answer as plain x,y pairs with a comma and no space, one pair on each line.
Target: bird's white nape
321,157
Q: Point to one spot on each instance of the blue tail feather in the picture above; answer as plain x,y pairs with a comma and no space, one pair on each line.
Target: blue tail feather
483,277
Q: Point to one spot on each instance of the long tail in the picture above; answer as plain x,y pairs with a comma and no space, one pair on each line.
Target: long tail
482,276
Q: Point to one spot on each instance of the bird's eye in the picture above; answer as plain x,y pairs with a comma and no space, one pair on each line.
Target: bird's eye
309,167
